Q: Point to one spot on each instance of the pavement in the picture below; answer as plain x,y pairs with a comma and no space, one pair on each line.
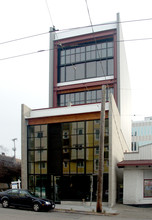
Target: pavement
85,207
119,209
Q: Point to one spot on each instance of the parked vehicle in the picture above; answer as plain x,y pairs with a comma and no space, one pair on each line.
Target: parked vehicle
24,198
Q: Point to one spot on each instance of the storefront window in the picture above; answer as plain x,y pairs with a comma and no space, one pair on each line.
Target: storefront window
148,188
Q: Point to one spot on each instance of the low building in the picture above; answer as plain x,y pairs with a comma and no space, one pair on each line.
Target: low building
137,176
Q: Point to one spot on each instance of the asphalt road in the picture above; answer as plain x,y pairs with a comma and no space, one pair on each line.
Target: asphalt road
125,214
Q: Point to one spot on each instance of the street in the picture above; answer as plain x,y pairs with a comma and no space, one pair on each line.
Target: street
128,212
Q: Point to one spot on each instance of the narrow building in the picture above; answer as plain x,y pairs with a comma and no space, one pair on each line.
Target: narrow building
60,144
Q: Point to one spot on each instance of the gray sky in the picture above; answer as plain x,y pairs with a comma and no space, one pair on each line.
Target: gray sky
25,79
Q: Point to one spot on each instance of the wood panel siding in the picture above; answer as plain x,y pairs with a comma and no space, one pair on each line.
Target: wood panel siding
66,118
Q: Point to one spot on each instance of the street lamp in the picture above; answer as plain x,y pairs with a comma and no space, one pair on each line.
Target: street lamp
14,148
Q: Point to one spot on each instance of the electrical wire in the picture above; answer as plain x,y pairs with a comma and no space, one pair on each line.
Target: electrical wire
46,2
70,29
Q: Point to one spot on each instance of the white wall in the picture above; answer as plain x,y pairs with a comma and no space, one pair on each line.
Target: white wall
133,189
117,146
124,88
25,113
133,186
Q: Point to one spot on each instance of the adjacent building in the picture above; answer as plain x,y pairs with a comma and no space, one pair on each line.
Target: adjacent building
137,176
141,133
60,144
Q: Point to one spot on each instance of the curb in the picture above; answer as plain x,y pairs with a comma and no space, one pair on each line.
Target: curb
84,212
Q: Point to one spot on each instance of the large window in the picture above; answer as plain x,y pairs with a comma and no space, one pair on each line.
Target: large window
77,98
37,159
86,61
148,188
80,147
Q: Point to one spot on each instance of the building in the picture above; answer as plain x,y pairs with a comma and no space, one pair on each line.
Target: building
137,176
60,145
141,133
10,170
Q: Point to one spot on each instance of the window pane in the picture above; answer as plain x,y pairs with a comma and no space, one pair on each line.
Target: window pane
31,156
82,56
37,143
88,96
72,98
110,44
77,99
91,69
70,73
67,59
62,52
31,180
30,131
73,140
103,53
62,74
101,68
61,100
67,99
148,188
78,58
44,142
110,67
110,52
73,58
44,155
31,168
103,45
37,167
89,127
30,143
37,155
44,130
80,71
82,98
98,95
62,60
89,140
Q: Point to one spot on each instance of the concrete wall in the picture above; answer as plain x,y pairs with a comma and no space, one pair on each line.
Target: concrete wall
25,111
133,189
51,63
117,146
123,85
133,185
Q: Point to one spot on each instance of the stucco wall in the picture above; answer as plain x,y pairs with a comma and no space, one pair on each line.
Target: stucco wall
123,85
25,112
133,186
117,146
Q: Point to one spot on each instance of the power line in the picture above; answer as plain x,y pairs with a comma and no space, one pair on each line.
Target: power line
68,29
49,12
20,55
23,38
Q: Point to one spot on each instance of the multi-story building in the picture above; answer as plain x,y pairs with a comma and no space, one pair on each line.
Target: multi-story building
60,145
141,133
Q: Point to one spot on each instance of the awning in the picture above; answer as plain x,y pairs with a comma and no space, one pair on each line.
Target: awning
127,163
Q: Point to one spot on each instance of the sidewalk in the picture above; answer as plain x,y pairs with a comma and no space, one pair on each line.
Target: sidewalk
124,211
84,207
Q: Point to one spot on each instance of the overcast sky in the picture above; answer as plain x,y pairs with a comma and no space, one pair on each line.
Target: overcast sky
25,79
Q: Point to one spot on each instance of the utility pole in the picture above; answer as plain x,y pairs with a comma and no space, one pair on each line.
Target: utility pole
14,148
101,152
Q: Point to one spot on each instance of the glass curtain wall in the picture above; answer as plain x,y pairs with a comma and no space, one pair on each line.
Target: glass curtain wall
77,98
86,61
37,159
63,159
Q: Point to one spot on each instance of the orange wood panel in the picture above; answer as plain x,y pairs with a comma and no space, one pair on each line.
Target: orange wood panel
65,118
